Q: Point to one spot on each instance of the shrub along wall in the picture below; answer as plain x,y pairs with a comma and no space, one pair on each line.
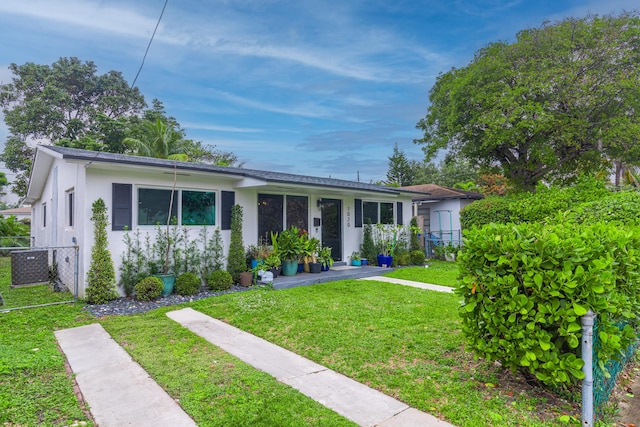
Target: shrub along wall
526,286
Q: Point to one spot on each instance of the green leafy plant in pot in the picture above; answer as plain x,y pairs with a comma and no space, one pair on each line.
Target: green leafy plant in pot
324,258
290,250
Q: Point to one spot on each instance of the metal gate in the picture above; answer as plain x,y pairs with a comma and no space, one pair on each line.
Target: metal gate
40,276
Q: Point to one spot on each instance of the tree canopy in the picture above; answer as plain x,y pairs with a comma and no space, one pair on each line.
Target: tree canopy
560,100
69,104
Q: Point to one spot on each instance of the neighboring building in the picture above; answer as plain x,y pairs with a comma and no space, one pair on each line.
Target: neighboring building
438,208
65,182
21,214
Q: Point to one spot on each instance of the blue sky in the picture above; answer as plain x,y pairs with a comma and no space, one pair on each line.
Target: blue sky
323,88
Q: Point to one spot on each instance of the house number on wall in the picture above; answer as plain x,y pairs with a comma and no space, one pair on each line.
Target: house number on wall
348,216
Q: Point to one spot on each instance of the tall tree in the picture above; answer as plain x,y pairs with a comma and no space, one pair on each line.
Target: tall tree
64,100
67,101
399,172
562,99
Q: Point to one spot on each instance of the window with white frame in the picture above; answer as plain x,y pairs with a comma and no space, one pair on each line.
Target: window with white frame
44,215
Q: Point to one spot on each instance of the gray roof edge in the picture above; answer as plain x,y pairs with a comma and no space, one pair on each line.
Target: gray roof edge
104,157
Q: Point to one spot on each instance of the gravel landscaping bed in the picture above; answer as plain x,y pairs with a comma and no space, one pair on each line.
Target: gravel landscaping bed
123,306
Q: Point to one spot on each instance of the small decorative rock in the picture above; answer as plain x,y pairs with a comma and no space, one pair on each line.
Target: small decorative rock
124,306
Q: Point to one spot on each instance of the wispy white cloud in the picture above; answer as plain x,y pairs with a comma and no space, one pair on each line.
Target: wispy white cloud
219,128
304,109
85,14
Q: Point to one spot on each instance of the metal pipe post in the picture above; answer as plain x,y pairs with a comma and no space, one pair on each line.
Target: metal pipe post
587,368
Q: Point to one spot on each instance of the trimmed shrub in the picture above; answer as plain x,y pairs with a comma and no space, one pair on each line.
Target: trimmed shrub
417,257
491,209
622,208
368,246
219,280
236,261
401,258
188,284
149,288
101,277
532,207
526,286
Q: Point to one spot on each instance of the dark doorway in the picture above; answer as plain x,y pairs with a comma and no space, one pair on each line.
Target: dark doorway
332,226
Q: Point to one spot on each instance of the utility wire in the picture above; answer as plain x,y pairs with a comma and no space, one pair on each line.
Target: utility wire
149,45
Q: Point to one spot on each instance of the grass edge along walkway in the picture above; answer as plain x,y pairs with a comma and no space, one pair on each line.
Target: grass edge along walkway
421,285
349,398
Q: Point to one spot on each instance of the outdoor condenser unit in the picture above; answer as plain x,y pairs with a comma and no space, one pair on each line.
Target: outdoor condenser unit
29,267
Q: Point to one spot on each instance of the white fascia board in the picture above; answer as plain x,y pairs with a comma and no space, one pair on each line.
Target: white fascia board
248,182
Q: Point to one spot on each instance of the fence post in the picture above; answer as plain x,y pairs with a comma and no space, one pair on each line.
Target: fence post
75,269
587,368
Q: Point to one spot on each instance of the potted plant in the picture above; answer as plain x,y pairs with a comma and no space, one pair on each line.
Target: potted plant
290,250
324,258
355,259
272,263
386,238
168,277
450,252
311,249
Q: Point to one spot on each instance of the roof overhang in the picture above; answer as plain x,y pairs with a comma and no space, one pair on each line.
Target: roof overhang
42,161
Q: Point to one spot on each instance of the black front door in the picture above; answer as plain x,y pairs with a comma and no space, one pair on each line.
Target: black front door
332,226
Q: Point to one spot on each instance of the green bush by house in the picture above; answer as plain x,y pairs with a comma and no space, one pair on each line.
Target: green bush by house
532,207
526,286
148,289
188,284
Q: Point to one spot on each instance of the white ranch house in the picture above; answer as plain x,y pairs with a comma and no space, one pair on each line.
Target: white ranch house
65,182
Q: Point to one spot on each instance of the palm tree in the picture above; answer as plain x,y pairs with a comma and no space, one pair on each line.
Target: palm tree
160,141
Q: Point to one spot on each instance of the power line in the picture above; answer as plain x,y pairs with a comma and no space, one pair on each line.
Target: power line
149,45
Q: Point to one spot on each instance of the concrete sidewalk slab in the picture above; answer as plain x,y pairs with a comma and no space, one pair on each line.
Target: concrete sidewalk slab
429,286
119,392
349,398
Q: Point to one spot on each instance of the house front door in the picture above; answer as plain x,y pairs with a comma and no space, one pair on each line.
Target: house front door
332,227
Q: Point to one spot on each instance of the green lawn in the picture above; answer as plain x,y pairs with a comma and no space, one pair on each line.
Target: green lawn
437,273
403,341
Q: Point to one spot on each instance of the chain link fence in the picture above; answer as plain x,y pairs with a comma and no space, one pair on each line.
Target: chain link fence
40,276
440,243
598,386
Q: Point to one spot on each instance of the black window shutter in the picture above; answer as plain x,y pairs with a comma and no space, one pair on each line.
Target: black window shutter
122,206
357,222
399,220
228,199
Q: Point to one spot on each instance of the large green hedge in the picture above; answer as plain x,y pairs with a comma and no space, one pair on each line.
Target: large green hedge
622,208
526,286
531,207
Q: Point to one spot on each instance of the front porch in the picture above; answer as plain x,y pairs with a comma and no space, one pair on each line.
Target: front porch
339,271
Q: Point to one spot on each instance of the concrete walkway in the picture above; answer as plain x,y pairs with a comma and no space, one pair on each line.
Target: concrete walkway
351,399
119,392
420,285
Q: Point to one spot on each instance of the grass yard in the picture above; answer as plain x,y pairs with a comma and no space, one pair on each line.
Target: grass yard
438,273
403,341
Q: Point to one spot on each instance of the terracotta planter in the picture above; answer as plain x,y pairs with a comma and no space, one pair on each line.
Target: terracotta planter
246,278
